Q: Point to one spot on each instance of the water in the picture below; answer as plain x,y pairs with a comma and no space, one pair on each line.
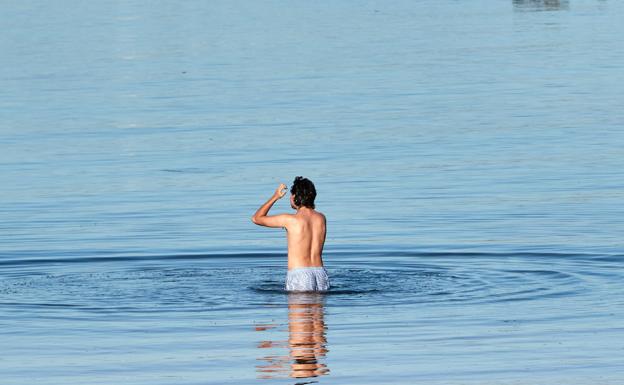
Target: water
467,155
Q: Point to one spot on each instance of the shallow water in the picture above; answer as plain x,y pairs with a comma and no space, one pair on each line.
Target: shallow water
390,317
467,155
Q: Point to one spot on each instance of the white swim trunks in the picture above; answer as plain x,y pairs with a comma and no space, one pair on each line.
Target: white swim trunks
307,279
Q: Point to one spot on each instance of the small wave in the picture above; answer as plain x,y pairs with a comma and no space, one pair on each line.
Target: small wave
39,304
363,255
129,258
187,170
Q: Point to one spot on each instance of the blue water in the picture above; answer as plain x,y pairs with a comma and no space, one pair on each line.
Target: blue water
468,156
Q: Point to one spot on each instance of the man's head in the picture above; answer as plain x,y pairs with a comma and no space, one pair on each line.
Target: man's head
302,193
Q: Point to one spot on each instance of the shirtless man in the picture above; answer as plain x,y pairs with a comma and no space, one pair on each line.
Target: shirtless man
305,232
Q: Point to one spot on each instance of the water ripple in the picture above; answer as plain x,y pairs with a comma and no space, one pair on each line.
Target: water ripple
206,283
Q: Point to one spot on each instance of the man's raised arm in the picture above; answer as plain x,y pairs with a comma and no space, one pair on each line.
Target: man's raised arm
261,218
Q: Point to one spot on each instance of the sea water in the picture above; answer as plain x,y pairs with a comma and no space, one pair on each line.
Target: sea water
468,156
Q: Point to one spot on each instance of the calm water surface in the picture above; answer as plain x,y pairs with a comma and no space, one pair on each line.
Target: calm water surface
468,156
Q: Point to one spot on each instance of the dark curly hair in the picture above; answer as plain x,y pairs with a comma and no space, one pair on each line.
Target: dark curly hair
304,192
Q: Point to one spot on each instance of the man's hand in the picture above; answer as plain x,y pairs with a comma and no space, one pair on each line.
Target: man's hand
281,191
262,217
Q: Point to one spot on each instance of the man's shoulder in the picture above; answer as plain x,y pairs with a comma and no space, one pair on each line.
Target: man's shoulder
320,214
289,217
287,220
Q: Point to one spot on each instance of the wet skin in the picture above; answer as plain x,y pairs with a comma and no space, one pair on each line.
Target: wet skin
306,230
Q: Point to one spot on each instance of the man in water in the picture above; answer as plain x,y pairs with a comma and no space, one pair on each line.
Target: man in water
305,232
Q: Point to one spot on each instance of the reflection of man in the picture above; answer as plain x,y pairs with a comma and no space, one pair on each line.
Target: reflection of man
306,231
306,335
306,340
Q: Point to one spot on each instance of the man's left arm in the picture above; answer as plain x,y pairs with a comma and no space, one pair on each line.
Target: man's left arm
261,216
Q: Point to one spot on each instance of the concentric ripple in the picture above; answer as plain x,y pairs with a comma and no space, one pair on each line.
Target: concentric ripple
207,284
445,281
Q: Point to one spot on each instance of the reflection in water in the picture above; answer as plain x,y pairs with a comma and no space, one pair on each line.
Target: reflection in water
306,341
541,5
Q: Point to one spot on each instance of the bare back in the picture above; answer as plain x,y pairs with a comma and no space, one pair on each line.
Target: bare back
306,237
